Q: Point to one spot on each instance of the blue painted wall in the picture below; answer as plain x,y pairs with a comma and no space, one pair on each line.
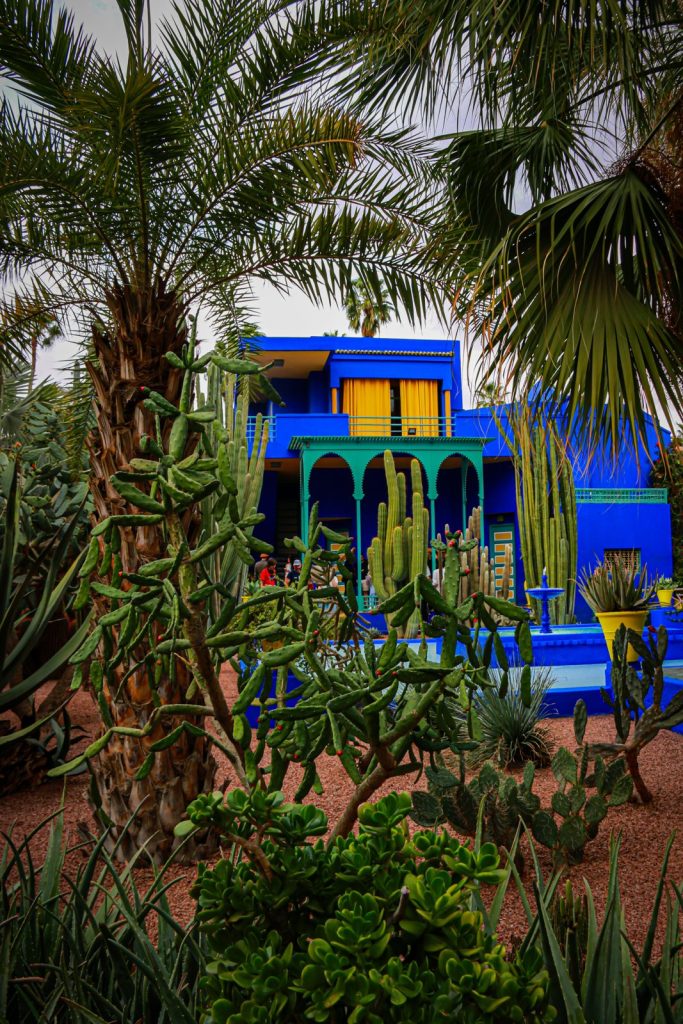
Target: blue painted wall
647,527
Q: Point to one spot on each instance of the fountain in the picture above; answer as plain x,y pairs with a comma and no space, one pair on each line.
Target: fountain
545,595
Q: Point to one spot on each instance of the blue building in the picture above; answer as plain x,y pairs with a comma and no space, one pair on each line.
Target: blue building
350,398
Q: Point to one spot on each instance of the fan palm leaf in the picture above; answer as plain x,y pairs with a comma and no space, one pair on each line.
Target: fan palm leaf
581,293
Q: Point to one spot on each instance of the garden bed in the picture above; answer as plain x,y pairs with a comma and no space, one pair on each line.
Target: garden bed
644,829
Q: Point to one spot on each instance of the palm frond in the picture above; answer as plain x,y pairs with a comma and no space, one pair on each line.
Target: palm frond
573,300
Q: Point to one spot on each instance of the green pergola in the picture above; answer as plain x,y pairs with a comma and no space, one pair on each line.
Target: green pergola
358,453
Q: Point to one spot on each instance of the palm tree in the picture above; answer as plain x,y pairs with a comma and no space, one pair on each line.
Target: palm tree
133,191
566,230
366,309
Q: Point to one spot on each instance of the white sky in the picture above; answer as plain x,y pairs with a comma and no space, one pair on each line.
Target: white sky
277,315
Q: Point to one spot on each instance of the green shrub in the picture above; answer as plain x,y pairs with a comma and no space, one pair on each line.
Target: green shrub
377,927
76,947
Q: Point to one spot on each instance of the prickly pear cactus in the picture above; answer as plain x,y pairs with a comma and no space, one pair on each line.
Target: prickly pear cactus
399,551
575,815
451,799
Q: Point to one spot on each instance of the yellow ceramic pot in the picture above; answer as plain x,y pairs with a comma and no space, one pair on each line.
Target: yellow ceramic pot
665,597
610,622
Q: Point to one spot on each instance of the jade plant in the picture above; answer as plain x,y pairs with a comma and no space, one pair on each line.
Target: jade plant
636,700
374,927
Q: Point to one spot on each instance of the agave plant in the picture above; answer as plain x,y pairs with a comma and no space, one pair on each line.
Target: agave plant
616,587
26,612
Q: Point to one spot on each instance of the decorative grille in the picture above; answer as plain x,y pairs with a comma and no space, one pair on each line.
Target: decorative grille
629,557
622,495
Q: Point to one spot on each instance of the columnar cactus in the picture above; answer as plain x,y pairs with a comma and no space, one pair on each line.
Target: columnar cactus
477,570
227,441
546,509
399,551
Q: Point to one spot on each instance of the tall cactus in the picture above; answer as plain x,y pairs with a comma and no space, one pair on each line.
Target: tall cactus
228,442
399,551
478,574
546,510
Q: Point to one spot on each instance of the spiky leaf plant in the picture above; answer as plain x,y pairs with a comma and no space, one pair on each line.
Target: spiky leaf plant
511,729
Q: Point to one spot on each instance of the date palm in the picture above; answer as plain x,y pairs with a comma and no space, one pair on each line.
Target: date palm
137,189
365,310
566,226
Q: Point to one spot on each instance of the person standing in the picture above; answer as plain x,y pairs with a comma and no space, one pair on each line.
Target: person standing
292,577
260,566
268,575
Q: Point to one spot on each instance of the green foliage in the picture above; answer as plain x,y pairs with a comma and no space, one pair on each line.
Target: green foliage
637,725
270,189
496,804
568,913
546,509
76,946
399,551
491,802
578,294
574,815
510,731
615,982
376,927
668,472
34,589
226,439
616,587
367,706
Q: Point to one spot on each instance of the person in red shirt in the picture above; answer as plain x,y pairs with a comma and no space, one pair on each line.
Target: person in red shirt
268,576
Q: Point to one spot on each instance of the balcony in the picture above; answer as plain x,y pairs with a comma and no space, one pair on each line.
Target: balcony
283,427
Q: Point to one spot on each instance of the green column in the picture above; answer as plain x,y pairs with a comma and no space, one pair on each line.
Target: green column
305,497
358,498
464,465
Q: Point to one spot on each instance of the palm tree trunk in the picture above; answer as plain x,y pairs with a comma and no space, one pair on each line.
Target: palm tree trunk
129,359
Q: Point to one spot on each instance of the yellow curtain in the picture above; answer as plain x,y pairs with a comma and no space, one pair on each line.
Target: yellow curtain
368,403
420,407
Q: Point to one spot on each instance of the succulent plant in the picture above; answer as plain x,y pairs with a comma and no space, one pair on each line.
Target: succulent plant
574,816
637,724
616,587
399,551
546,509
377,927
500,800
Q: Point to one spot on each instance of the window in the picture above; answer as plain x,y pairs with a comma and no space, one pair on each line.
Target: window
395,392
629,557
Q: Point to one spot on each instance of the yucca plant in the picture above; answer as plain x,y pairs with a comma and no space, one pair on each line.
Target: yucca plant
511,730
616,587
76,947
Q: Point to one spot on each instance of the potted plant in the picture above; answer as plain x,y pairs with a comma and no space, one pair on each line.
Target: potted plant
618,594
665,590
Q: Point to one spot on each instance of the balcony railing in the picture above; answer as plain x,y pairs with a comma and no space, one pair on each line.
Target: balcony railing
400,426
272,427
341,425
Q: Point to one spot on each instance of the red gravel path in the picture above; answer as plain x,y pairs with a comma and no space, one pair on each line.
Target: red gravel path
644,830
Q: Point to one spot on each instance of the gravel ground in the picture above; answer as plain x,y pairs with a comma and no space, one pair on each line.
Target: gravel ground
644,830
